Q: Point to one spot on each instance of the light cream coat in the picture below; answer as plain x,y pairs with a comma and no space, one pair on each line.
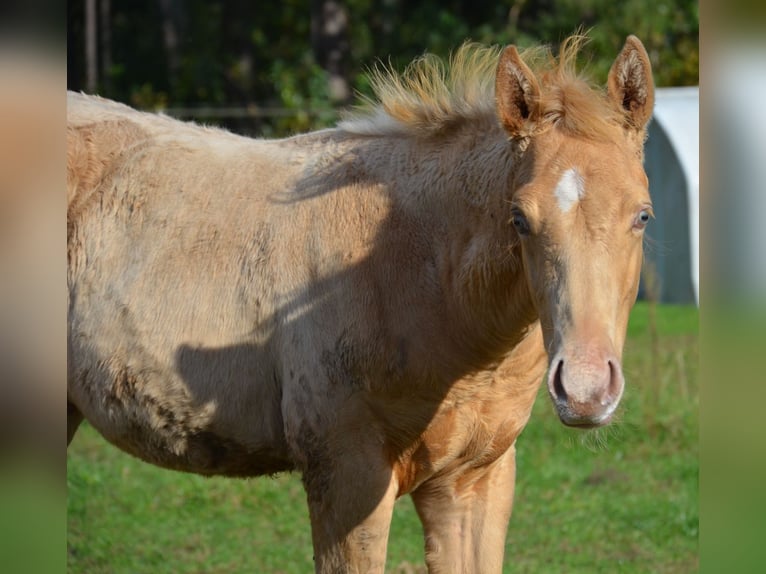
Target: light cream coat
373,306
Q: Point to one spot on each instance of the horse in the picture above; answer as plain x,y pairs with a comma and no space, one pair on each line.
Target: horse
373,305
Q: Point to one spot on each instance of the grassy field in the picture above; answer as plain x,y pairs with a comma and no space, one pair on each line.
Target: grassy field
620,499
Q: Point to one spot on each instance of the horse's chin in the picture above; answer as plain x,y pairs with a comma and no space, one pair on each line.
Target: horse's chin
586,425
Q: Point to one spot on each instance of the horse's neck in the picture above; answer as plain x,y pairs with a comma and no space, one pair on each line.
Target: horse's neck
461,188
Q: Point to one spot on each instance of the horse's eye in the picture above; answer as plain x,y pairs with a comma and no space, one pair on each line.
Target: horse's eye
643,218
520,223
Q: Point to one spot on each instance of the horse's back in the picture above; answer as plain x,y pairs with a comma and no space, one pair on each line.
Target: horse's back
103,136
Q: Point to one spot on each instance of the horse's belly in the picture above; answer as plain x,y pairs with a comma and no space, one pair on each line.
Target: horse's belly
203,452
235,430
160,437
173,386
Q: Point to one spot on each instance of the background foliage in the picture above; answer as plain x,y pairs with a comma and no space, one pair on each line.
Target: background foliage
267,62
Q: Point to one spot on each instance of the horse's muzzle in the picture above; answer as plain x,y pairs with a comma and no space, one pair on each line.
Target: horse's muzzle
585,392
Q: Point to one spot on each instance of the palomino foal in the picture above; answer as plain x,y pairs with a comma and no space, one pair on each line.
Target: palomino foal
373,306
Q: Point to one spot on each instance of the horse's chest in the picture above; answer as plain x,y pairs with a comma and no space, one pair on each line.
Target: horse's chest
460,436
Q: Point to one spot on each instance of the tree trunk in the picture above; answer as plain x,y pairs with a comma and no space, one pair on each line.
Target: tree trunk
329,40
91,47
171,23
105,28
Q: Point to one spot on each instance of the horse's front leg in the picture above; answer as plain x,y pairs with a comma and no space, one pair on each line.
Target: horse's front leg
465,517
351,493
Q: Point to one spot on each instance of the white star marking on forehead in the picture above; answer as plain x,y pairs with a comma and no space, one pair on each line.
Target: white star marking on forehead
569,190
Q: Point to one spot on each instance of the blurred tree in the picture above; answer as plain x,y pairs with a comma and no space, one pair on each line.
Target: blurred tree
669,30
91,45
172,12
289,64
105,44
329,40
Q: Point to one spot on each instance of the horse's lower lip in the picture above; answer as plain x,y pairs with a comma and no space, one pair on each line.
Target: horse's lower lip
587,424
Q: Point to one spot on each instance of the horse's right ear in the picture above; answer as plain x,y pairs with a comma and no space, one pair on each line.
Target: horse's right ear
516,94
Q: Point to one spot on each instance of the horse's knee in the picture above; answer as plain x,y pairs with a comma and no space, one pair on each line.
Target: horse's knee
73,420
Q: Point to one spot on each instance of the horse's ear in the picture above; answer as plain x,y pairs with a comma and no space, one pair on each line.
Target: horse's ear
630,84
516,93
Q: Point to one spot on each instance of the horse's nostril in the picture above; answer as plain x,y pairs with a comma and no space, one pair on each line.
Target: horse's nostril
558,385
614,388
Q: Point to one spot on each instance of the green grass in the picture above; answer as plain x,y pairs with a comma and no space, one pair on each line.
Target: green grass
620,499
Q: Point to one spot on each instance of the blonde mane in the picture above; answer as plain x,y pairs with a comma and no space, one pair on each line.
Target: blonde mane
432,96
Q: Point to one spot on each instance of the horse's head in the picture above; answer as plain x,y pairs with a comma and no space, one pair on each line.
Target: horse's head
579,207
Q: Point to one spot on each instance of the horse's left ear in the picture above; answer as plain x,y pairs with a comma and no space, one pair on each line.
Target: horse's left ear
630,84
